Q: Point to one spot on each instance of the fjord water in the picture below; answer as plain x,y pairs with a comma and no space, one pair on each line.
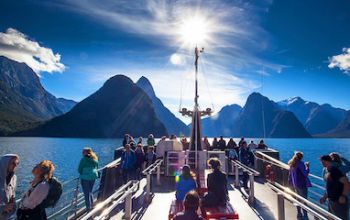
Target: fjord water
66,152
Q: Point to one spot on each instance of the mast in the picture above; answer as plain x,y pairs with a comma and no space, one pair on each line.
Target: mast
196,114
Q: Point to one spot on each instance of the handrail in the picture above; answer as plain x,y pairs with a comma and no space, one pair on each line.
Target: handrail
302,202
124,191
151,168
246,168
274,160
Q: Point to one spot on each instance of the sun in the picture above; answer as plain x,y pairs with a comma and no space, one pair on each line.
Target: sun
194,31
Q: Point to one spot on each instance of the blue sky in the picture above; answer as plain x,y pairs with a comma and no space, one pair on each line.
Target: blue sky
300,47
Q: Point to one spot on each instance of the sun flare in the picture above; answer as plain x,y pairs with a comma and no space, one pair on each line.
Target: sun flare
194,30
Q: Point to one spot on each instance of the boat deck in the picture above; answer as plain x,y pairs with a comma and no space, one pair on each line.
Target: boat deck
265,206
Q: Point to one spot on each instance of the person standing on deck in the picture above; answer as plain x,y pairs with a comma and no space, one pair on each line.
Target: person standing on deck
245,158
140,141
222,143
337,189
30,207
126,140
252,146
340,162
217,185
150,140
140,160
88,170
231,144
128,163
191,204
150,156
185,183
215,144
8,181
262,145
207,145
298,179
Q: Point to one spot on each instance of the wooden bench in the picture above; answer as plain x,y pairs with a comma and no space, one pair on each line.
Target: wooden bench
175,208
226,212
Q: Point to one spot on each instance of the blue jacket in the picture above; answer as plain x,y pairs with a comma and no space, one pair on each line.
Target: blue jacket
245,156
128,160
183,187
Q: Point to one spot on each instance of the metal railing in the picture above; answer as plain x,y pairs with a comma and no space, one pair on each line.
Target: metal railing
284,193
123,193
316,181
72,199
251,172
148,171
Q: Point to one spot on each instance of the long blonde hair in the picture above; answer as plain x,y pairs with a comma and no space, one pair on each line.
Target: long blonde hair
90,153
297,156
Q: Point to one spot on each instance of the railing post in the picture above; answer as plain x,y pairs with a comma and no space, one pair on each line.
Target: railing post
148,187
280,207
128,206
236,176
158,175
251,198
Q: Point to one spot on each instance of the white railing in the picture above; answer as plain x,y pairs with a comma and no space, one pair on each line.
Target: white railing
285,193
251,172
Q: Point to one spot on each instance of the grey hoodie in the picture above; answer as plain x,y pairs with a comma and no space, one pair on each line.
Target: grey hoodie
6,191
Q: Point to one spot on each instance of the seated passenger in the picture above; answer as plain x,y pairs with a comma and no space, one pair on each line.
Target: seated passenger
185,143
231,144
185,184
217,185
191,204
215,144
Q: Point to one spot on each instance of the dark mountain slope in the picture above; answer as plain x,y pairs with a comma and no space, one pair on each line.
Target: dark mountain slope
117,108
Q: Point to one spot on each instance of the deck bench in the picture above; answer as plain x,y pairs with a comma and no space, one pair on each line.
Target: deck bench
218,212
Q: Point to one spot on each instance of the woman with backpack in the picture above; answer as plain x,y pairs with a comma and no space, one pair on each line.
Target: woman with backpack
8,183
88,170
31,206
298,179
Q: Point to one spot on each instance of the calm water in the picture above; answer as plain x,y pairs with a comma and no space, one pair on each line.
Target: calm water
66,152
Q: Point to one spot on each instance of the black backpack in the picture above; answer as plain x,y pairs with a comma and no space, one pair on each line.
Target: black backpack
55,192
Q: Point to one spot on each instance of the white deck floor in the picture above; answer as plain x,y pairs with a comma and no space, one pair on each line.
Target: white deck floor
265,207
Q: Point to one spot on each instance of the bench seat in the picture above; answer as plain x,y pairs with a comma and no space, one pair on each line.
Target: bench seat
226,212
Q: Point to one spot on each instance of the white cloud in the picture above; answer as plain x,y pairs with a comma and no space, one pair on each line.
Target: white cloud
342,61
17,46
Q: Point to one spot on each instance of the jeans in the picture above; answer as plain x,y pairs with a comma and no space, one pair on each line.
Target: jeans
127,175
303,193
245,178
87,186
340,210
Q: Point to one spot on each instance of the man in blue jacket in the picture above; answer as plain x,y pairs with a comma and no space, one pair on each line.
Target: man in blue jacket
128,160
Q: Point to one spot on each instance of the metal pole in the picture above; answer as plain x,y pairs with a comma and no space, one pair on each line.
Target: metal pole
251,189
236,176
158,175
280,207
128,206
148,187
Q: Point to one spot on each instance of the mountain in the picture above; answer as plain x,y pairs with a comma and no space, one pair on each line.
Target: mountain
172,123
235,121
23,99
117,108
218,124
317,119
342,130
278,123
65,105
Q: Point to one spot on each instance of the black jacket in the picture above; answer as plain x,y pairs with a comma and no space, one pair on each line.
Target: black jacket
217,185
